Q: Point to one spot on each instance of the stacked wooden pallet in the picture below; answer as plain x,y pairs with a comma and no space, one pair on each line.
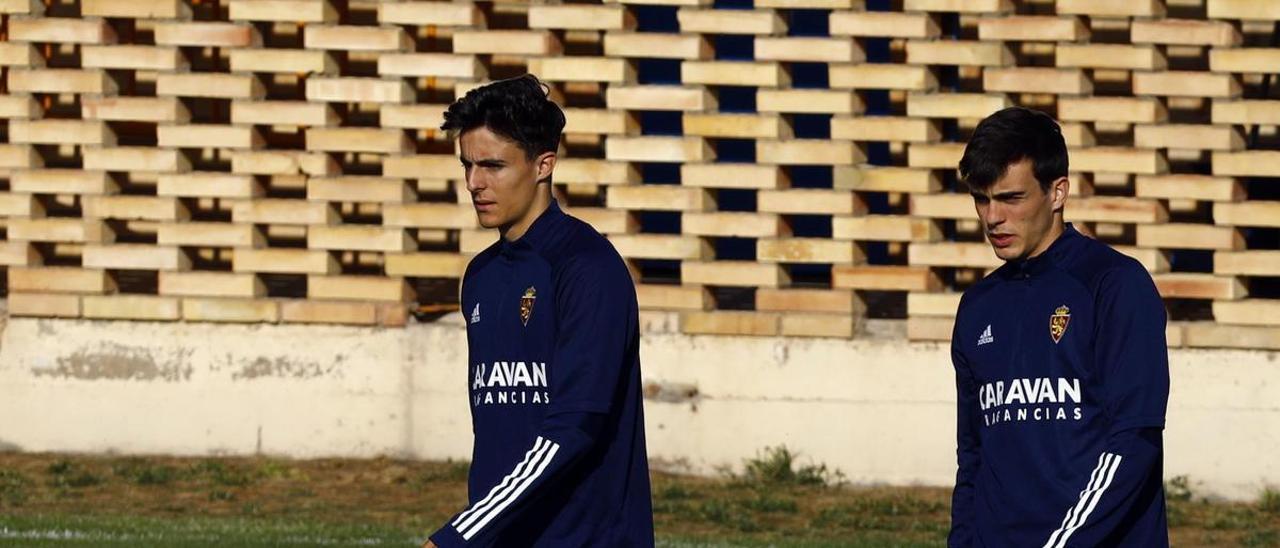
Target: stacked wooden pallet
786,169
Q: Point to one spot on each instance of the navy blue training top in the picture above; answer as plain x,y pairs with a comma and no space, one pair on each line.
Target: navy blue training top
555,395
1062,381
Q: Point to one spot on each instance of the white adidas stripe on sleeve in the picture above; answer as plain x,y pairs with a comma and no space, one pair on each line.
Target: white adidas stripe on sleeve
535,462
1099,480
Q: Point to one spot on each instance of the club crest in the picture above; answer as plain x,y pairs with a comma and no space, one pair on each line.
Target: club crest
526,304
1058,323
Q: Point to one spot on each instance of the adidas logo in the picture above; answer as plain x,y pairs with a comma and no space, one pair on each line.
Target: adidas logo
475,314
986,336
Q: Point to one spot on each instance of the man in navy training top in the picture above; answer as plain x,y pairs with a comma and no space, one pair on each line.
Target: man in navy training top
1061,368
553,337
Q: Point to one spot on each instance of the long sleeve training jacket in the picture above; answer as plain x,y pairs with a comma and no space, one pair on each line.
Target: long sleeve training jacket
555,395
1062,380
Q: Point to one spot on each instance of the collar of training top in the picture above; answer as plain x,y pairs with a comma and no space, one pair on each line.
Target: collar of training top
536,235
1044,261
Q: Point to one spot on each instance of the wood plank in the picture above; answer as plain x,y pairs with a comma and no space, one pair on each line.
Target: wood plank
1109,56
885,128
58,230
658,149
139,109
732,273
346,313
59,279
284,113
935,155
60,30
44,305
13,253
883,24
207,34
1247,214
959,53
209,234
658,46
885,278
581,17
583,69
1210,335
734,73
356,39
736,126
885,228
208,185
1186,285
211,284
881,76
208,136
955,105
1109,8
282,61
358,139
1185,83
1247,312
61,181
143,208
134,159
660,246
672,297
359,288
678,98
1115,209
808,250
811,101
283,11
727,175
658,198
1065,81
1247,263
427,265
933,304
732,224
130,307
134,257
1256,10
819,325
956,254
1247,163
61,132
283,212
887,179
1187,136
443,14
360,238
430,215
959,6
440,65
730,323
1189,236
1189,32
720,21
284,261
135,57
1188,187
1032,28
1118,160
811,50
1112,109
359,90
230,310
506,42
810,202
831,301
808,152
221,86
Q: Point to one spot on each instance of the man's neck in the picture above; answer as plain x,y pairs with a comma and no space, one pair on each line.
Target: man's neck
516,230
1055,231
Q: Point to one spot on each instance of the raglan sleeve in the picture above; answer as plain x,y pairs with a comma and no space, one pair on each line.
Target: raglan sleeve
596,318
968,447
1131,351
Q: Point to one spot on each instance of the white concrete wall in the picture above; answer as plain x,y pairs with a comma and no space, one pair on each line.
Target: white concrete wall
876,408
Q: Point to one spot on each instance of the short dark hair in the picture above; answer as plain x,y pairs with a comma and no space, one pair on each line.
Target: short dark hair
516,108
1009,136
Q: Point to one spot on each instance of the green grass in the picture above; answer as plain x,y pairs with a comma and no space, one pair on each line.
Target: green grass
779,499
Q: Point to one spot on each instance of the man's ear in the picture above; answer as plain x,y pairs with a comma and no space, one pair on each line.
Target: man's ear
546,163
1059,190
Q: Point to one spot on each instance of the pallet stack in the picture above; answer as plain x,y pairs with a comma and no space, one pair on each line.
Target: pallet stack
779,168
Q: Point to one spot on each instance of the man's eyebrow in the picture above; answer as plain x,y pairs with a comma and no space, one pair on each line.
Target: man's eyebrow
1009,194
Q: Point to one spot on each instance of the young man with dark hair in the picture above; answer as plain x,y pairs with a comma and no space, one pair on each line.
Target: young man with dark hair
553,337
1062,372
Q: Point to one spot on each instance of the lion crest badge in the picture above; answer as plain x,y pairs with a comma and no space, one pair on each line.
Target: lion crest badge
1058,323
526,304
